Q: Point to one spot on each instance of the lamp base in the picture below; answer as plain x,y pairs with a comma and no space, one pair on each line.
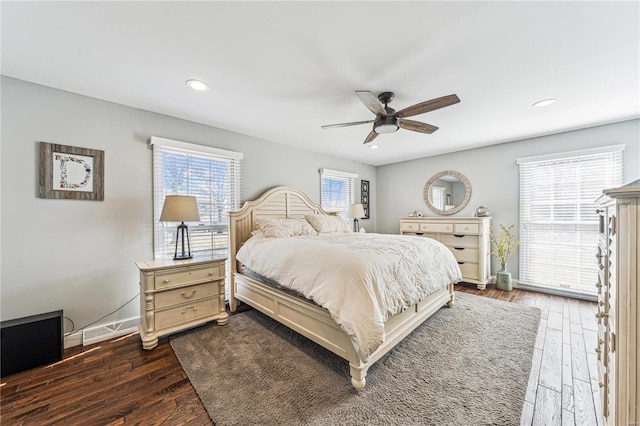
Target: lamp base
180,232
182,257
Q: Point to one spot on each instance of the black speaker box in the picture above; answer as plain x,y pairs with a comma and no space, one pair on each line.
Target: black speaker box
31,342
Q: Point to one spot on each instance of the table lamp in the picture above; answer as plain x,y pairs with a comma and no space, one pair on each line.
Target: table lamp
180,208
356,211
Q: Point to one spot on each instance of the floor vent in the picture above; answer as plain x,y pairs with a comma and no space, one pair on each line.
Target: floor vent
109,331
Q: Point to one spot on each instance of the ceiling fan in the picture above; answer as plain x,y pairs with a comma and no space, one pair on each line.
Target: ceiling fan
388,120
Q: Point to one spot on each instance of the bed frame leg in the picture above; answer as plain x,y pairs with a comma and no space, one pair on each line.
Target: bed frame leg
358,375
451,301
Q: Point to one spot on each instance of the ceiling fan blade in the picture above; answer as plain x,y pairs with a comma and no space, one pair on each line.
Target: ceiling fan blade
427,106
371,102
417,126
370,137
353,123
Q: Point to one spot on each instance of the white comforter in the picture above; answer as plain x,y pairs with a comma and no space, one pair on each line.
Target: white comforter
361,279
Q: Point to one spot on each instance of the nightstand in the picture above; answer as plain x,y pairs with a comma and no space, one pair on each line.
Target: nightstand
179,294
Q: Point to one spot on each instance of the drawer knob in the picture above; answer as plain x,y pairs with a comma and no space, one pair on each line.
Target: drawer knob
598,255
212,273
459,248
602,314
166,281
598,285
184,310
193,293
601,384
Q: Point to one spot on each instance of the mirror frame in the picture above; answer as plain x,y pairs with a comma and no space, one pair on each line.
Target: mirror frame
463,203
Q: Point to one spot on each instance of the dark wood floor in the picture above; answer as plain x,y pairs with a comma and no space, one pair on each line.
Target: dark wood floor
117,382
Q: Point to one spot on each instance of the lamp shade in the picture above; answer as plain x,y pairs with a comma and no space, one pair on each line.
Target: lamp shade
356,211
180,208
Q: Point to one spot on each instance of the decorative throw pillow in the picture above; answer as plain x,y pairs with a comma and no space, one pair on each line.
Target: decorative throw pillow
277,228
324,223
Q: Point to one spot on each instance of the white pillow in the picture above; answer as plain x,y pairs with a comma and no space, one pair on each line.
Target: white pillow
324,223
276,228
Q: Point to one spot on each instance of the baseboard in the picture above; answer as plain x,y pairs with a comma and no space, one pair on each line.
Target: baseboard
72,340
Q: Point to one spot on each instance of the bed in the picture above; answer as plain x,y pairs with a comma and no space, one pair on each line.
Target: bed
305,316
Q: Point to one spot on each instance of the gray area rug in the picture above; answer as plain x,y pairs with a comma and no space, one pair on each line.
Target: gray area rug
468,365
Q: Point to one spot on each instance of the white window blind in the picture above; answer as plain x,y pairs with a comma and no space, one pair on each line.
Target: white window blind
558,219
213,176
337,191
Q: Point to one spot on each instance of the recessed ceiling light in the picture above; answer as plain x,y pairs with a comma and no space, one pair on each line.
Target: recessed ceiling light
197,85
544,102
373,146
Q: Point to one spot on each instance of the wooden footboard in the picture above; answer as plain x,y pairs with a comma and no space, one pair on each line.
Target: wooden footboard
316,323
305,317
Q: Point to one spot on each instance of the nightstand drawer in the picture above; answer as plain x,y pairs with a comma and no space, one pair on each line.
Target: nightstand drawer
464,254
188,276
469,241
469,271
436,227
185,313
188,294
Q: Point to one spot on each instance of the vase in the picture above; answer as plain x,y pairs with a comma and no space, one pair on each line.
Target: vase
503,279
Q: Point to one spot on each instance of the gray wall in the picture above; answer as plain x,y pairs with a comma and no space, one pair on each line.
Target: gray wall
79,255
493,174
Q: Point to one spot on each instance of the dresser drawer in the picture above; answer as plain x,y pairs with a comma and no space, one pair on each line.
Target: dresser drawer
466,228
469,241
178,277
184,313
470,271
464,254
410,227
436,227
178,296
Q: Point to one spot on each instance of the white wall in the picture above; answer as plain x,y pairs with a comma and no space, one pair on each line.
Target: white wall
79,255
493,174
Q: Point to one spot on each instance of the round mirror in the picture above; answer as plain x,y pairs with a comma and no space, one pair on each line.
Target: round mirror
447,192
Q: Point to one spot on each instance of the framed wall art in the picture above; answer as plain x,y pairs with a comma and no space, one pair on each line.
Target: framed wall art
71,173
364,197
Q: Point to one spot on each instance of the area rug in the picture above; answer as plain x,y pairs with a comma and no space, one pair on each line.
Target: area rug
466,365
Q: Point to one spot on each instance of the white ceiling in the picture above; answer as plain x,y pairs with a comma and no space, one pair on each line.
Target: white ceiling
280,70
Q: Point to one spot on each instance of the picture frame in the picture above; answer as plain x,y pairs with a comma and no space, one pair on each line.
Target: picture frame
364,197
71,173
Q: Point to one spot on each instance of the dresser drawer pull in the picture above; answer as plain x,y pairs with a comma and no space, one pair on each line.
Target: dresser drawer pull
193,293
602,314
598,285
458,236
460,263
166,281
598,256
212,273
459,248
601,384
184,311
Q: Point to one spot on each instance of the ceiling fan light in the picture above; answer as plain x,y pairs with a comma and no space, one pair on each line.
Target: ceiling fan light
373,146
386,125
197,85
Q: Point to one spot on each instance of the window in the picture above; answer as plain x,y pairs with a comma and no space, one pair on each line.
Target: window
212,176
337,191
558,219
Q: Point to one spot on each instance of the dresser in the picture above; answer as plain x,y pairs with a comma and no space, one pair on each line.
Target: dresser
176,295
618,319
466,237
